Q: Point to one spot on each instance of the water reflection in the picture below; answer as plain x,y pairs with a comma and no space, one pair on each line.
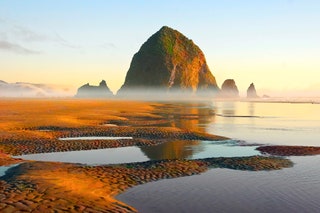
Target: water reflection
190,116
171,150
251,109
228,109
268,123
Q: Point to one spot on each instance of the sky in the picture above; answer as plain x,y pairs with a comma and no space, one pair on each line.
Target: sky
274,43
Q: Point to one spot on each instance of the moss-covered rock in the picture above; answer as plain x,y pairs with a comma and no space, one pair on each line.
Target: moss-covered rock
169,61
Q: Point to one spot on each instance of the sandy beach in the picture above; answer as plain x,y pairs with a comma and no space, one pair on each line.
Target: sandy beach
35,126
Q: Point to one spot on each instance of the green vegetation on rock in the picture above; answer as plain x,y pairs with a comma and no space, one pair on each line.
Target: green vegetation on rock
168,60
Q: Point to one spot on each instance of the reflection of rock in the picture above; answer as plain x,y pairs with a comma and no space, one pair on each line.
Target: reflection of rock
101,91
170,150
251,92
169,61
189,117
229,89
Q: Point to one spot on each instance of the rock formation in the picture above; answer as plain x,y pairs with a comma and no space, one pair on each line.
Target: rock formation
88,91
169,61
229,89
251,92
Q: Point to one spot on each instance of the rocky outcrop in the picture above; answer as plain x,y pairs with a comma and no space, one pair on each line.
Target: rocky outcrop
251,92
88,91
229,89
169,61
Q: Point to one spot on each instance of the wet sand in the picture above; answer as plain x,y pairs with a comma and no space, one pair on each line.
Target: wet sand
35,126
6,160
289,150
49,187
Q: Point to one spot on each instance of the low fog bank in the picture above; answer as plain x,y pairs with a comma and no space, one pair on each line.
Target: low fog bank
148,94
171,95
31,90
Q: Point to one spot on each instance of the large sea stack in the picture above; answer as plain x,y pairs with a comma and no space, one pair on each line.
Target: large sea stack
169,62
88,91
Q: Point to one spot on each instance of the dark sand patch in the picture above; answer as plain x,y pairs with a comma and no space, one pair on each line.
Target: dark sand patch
32,141
289,150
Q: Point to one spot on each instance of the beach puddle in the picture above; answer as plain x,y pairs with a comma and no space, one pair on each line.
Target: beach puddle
169,150
229,148
95,138
92,157
4,169
110,125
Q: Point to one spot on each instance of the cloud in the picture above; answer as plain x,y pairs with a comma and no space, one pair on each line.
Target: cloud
17,32
30,36
57,38
108,46
27,34
16,48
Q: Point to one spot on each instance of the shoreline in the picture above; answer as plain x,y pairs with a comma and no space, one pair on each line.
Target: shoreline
47,186
36,126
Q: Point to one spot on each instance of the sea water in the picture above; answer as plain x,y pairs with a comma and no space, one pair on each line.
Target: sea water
295,189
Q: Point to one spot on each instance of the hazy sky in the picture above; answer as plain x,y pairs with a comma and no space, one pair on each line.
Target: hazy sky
274,43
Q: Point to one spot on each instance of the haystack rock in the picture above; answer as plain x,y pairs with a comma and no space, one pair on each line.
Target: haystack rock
168,61
251,92
101,91
229,89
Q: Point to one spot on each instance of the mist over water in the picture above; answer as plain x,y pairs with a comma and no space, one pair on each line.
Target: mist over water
165,94
194,95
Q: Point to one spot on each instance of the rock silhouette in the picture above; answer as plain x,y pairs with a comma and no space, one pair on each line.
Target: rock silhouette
229,89
251,92
101,91
168,61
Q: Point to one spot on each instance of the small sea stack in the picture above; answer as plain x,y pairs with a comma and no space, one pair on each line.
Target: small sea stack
229,89
251,92
88,91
